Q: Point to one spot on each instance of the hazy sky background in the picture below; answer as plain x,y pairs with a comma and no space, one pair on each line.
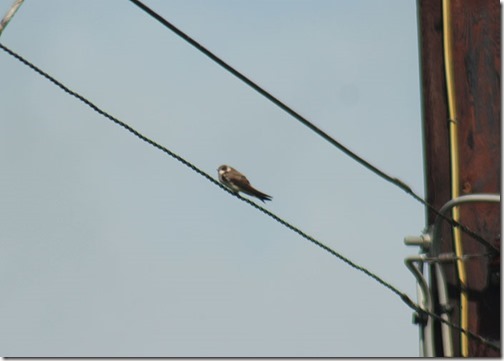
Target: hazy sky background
111,248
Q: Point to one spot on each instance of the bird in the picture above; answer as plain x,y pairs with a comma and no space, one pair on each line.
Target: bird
237,182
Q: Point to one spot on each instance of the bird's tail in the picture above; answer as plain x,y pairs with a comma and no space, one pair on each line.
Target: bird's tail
251,191
263,196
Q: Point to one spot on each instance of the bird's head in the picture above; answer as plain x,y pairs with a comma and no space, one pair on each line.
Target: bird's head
223,169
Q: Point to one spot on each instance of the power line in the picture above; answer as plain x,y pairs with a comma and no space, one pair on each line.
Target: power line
395,181
10,13
460,329
199,171
404,297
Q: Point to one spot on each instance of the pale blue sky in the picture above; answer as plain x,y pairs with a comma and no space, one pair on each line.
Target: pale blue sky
111,248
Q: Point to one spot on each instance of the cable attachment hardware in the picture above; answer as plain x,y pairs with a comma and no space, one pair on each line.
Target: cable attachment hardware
420,318
424,240
446,308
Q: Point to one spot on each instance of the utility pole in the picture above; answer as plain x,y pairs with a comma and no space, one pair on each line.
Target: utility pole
475,134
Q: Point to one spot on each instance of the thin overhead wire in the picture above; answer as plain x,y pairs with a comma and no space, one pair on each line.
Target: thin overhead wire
395,181
404,297
10,13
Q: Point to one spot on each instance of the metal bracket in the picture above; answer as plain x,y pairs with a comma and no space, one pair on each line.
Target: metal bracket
429,242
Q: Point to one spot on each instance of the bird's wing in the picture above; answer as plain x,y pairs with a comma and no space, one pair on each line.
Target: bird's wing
238,182
243,183
237,179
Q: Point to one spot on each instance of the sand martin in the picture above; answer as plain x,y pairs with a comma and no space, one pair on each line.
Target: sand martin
237,182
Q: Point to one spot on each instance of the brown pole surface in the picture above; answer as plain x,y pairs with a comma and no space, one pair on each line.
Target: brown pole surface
476,29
